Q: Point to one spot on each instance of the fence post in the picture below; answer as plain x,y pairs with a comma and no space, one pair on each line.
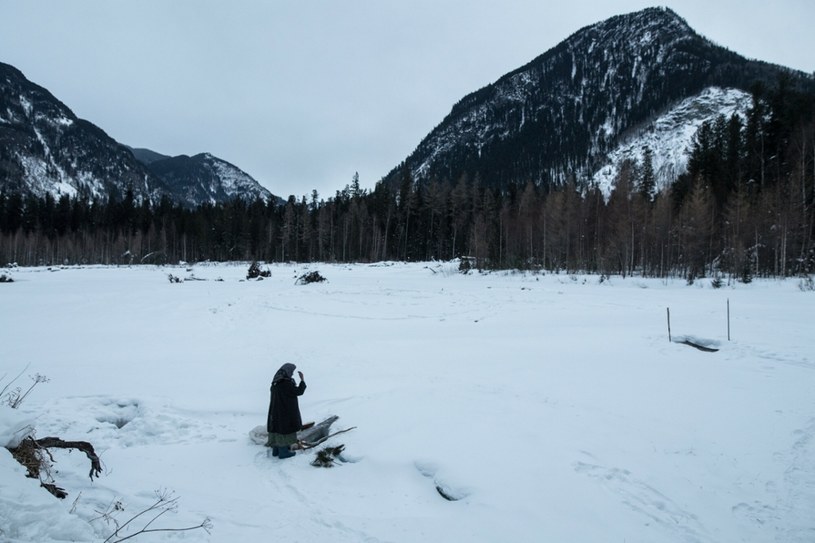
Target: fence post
669,323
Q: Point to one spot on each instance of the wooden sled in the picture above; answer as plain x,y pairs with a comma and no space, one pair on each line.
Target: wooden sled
310,434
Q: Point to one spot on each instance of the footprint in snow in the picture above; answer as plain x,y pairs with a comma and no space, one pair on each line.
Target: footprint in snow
646,500
449,492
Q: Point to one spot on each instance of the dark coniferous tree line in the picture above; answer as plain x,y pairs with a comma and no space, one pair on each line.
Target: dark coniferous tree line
744,208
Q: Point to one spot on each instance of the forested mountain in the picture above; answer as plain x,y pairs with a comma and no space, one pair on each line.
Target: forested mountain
203,178
46,149
562,116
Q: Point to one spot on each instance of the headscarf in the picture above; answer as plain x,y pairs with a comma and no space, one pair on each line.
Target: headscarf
286,371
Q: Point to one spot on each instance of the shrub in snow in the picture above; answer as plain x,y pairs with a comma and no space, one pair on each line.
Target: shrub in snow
807,284
174,279
15,397
256,273
141,522
311,277
13,426
6,279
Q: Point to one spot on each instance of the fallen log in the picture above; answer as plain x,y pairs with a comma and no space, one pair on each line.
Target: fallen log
698,346
31,453
84,446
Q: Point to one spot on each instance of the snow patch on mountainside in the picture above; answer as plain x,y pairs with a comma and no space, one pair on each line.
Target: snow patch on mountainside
669,136
25,103
235,181
46,177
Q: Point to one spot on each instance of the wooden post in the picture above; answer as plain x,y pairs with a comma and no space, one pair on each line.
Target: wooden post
728,319
669,324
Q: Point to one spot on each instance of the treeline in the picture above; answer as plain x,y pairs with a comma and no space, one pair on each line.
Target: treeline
744,208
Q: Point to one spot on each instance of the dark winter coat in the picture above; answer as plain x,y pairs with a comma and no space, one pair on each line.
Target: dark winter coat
284,409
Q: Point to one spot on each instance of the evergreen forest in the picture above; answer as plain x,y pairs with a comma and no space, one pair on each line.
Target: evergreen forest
745,208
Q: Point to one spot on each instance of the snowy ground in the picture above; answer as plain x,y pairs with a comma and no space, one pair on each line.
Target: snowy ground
553,406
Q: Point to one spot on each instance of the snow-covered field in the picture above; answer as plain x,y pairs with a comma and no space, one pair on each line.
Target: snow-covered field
553,406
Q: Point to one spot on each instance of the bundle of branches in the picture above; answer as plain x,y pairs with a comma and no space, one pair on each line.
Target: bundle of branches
326,457
311,277
34,455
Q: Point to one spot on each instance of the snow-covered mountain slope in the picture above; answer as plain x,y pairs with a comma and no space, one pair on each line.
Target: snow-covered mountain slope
206,178
669,136
46,150
558,117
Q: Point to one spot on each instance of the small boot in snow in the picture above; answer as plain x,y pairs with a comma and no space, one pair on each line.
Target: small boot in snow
284,452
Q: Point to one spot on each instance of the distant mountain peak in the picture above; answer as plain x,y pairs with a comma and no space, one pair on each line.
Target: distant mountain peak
207,178
648,23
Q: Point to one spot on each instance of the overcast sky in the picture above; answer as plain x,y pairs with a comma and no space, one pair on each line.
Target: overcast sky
301,94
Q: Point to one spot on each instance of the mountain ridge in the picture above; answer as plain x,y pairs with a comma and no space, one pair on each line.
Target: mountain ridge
205,178
45,149
146,156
